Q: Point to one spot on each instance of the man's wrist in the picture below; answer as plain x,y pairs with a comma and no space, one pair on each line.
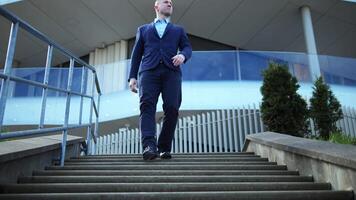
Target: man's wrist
182,56
131,79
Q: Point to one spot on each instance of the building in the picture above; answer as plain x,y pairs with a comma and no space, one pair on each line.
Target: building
233,40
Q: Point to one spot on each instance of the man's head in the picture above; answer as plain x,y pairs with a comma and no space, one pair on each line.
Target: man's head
163,8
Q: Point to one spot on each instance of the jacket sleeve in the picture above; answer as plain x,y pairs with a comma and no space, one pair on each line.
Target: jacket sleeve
184,46
136,55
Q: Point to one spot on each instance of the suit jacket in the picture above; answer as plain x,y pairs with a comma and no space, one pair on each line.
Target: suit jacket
149,48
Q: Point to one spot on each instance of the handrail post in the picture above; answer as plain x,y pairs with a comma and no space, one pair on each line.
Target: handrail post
45,81
97,118
7,70
88,152
89,132
82,92
66,117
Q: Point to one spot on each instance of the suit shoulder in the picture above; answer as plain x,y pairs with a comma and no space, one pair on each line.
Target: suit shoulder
143,27
178,26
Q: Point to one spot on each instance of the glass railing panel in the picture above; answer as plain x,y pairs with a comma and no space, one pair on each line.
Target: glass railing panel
245,66
338,70
203,66
24,109
209,66
253,63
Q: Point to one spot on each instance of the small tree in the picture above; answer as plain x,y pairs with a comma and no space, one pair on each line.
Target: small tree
283,109
325,109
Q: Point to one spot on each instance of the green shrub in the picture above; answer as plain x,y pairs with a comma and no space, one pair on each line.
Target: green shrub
325,109
283,109
341,138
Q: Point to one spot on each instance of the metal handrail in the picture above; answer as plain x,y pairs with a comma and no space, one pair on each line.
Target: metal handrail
43,131
14,19
34,83
6,77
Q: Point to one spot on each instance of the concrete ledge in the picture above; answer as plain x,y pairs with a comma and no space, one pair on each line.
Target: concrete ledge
325,161
21,157
343,155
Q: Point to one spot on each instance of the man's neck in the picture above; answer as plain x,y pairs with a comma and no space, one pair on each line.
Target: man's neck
163,17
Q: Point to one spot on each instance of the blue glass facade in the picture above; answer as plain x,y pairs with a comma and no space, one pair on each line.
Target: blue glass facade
58,78
211,66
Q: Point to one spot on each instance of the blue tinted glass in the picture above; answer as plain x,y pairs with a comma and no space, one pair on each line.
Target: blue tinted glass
338,70
252,65
33,74
77,79
211,66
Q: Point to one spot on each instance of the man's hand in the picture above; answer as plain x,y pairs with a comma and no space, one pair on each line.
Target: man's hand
133,85
178,59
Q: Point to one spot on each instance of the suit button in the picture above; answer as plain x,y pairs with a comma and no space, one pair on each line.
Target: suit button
160,61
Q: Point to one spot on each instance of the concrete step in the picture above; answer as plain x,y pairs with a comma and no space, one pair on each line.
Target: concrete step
160,178
223,176
157,187
179,154
172,163
202,195
134,160
139,156
222,159
169,167
158,172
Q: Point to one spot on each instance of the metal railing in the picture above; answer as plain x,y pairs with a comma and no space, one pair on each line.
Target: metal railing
6,77
209,132
347,125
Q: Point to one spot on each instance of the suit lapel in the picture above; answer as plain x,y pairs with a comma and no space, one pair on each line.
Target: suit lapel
167,29
154,29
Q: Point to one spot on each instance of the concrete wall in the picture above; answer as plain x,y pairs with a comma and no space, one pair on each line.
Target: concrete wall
325,161
112,73
21,157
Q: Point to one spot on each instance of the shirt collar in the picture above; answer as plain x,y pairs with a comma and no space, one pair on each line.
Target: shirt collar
166,20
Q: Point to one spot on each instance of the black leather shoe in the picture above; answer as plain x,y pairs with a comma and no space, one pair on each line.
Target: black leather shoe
165,155
149,153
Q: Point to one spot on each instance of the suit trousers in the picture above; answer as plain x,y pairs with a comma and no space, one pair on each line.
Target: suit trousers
152,83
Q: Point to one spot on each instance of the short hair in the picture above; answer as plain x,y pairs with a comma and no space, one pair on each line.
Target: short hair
157,1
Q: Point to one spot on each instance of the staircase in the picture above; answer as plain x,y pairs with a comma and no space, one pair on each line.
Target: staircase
187,176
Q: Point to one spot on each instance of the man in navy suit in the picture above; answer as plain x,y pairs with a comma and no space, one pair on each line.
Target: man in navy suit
155,61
